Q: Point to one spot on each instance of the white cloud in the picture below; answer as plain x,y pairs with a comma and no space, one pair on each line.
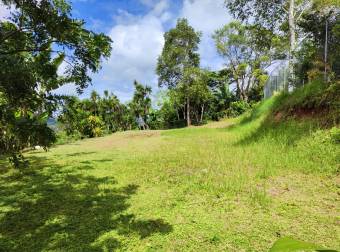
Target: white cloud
137,42
206,16
5,11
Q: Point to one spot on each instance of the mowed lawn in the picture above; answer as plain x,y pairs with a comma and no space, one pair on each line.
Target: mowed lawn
214,188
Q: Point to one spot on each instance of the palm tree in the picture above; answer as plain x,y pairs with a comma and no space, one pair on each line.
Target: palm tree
94,99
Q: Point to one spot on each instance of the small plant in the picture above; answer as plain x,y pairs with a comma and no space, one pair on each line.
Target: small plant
288,244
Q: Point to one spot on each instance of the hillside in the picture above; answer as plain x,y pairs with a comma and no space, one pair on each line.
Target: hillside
234,185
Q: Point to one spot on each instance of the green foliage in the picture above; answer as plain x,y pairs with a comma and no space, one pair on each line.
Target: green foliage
335,135
311,63
316,97
288,244
178,61
247,51
220,102
141,102
179,52
237,108
64,138
95,116
193,91
266,12
92,126
34,43
168,115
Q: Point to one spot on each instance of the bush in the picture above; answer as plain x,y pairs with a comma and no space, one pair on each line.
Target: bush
63,137
92,126
237,108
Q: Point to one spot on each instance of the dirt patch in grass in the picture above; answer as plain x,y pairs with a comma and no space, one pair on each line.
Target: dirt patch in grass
218,125
123,140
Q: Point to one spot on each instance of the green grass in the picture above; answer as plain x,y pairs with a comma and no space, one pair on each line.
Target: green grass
236,185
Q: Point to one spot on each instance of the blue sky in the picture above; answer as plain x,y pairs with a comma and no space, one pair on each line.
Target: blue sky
136,28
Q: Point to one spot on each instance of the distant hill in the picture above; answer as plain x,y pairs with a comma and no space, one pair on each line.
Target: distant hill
52,123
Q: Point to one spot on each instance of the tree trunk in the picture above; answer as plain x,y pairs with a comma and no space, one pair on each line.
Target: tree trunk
243,96
196,115
292,41
188,112
202,112
326,50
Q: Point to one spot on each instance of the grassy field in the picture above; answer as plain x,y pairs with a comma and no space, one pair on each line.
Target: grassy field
235,185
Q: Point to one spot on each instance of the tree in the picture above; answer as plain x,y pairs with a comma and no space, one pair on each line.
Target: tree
246,58
179,54
194,90
39,37
319,55
95,100
273,14
141,102
77,117
71,114
110,111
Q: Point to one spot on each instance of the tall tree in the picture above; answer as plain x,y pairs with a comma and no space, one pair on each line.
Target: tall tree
38,38
179,54
95,99
194,88
272,14
320,51
141,101
246,60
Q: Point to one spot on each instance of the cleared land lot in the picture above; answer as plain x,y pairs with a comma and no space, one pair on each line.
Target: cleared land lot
214,188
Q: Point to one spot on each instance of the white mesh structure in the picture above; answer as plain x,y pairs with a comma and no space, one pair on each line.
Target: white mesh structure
277,80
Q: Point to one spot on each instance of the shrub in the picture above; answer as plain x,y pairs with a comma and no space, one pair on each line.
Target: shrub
92,126
237,108
63,137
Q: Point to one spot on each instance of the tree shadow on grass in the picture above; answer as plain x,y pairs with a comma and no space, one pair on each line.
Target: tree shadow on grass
76,154
44,208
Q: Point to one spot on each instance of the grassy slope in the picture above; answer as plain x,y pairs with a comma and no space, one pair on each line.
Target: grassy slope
233,188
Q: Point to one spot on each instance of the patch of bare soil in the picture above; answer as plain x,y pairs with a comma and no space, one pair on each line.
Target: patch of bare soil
122,140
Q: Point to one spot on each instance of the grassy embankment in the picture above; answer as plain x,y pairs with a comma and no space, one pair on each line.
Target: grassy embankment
236,185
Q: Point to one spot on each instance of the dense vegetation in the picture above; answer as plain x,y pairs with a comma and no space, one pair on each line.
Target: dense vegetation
34,42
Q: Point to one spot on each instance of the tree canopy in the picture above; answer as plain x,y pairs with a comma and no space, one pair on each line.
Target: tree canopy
37,42
246,57
179,52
